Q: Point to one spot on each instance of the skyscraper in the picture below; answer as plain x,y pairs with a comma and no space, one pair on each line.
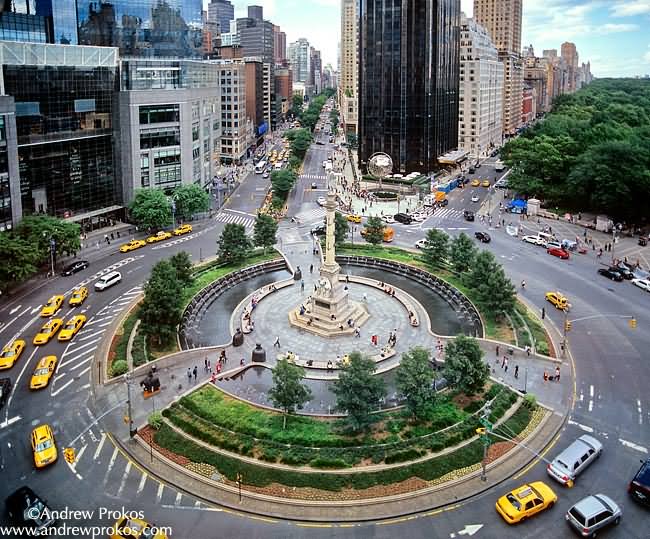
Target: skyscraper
256,35
570,56
143,27
408,81
279,45
349,58
481,91
502,18
221,12
300,60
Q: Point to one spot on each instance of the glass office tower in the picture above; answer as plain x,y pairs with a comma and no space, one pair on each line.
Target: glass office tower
39,21
408,81
142,27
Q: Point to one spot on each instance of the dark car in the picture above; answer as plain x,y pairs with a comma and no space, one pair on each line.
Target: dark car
471,170
611,273
442,203
403,218
468,215
76,266
482,236
477,165
27,509
559,252
625,271
319,230
639,487
5,390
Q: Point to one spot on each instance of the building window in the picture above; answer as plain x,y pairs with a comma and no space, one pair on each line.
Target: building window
157,114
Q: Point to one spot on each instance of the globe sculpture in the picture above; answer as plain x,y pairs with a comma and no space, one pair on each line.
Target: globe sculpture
380,165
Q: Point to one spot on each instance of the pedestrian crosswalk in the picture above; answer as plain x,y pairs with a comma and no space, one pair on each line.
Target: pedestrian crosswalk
309,216
238,219
447,214
313,176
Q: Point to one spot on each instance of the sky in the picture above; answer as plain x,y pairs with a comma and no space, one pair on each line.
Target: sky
614,35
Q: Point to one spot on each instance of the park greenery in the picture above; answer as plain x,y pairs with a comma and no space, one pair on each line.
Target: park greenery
590,153
299,142
234,245
341,228
358,391
464,368
415,381
436,250
162,305
189,200
151,209
282,181
26,249
374,230
288,392
264,231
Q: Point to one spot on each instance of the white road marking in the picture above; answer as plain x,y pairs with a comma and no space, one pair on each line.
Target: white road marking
34,310
105,324
76,349
124,477
55,393
81,452
580,426
591,398
15,309
640,410
86,337
16,318
143,480
13,391
191,508
159,493
179,497
110,467
634,446
8,422
86,370
99,447
80,364
75,358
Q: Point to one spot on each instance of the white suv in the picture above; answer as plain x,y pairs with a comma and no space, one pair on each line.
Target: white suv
108,280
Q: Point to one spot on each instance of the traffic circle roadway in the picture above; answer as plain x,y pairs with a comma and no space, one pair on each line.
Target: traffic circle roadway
610,402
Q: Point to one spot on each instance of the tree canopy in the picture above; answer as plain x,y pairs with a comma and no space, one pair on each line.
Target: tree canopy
374,230
151,208
436,250
462,252
265,231
190,199
590,153
494,292
161,308
234,244
414,379
341,228
464,366
282,181
288,392
358,391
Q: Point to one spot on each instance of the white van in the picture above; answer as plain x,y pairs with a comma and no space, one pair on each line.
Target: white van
108,280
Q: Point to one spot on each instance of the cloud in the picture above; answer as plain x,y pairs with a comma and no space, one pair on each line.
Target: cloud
646,56
630,8
614,28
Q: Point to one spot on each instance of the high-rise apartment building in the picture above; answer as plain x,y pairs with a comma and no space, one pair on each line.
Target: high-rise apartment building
536,73
220,13
570,56
256,35
408,81
300,60
172,28
480,114
349,66
502,18
279,45
315,70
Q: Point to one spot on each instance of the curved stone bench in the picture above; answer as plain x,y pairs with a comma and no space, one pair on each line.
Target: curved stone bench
386,353
258,296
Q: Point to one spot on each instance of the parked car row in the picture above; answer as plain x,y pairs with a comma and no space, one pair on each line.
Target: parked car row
159,236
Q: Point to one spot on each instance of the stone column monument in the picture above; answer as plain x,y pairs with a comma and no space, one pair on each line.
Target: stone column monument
330,305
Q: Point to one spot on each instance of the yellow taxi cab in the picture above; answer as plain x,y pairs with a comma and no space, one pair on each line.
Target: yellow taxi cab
43,446
132,246
78,296
72,327
48,331
354,218
476,182
135,528
43,372
161,236
53,304
486,183
558,300
525,501
10,353
183,229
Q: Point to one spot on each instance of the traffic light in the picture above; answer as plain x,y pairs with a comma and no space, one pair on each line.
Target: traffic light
632,323
481,431
69,455
567,325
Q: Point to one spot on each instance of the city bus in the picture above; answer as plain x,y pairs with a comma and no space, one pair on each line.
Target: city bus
260,167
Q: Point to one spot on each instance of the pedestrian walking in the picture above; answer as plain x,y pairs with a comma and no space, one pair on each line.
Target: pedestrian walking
365,297
543,313
497,352
209,367
277,342
357,333
545,376
195,372
516,371
505,365
311,268
557,374
205,364
189,374
503,361
302,285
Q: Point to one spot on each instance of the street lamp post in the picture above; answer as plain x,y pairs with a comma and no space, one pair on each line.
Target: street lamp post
129,379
